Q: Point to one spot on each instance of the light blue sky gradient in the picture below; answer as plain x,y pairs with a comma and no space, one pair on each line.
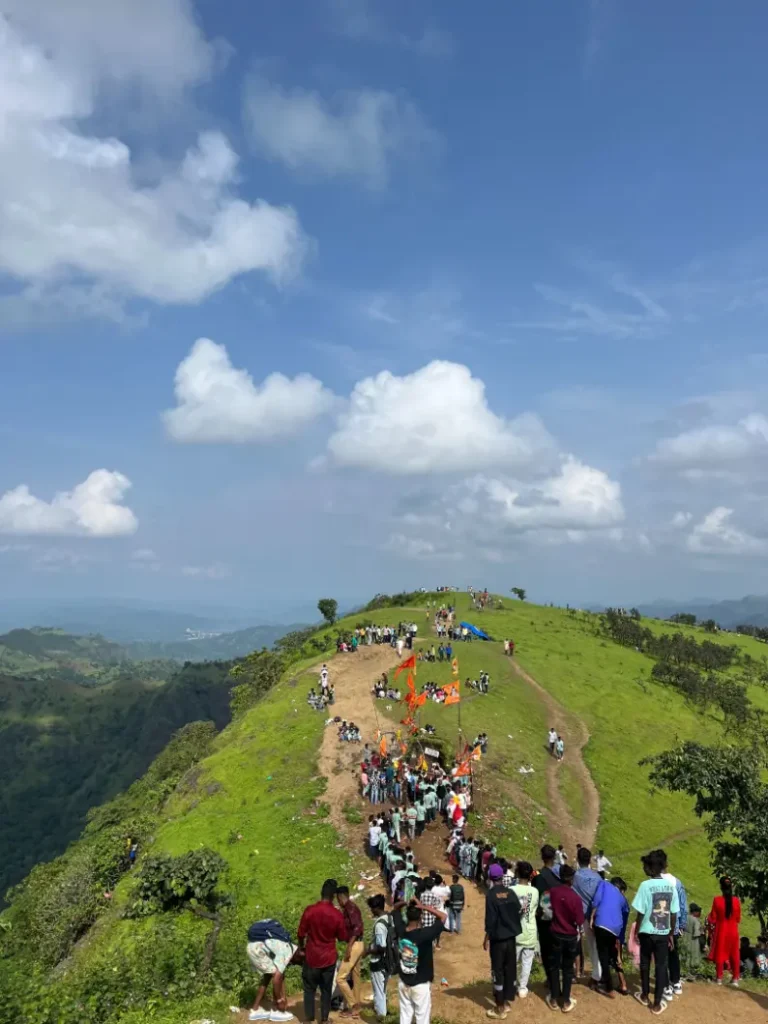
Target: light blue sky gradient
568,199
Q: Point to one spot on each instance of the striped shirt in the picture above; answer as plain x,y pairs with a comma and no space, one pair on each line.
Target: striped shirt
430,899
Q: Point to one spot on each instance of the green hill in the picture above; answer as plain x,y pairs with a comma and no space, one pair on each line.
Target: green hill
79,723
211,647
252,796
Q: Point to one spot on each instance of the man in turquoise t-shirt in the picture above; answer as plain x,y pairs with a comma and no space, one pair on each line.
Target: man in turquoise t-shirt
657,905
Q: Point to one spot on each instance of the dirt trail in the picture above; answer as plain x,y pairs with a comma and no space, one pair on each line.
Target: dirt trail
576,735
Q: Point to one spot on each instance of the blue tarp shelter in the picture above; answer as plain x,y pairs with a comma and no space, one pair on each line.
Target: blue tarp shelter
475,630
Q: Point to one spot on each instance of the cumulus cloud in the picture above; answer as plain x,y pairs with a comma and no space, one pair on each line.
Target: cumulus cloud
577,498
354,134
715,448
218,403
435,420
94,508
73,207
716,535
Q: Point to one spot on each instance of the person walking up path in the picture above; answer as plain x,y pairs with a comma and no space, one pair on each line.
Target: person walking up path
586,882
350,965
417,971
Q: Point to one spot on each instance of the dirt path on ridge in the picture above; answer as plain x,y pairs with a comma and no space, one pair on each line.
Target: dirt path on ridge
576,735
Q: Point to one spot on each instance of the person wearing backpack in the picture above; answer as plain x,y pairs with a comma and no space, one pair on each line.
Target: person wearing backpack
382,951
271,952
455,905
544,882
416,965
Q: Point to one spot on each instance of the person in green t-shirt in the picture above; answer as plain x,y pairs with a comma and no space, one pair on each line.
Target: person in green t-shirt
657,905
410,817
396,818
527,940
421,816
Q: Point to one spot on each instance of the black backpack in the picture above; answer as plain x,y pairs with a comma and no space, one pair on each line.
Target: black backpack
390,958
261,931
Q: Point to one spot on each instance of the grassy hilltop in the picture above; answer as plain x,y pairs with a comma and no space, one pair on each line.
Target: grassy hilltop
252,794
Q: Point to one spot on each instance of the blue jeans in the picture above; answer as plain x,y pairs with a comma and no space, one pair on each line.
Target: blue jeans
454,920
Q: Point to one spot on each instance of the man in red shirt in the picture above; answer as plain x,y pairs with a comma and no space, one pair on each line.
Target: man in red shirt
321,926
567,919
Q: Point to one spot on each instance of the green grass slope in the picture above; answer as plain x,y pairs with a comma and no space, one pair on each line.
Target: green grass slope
257,800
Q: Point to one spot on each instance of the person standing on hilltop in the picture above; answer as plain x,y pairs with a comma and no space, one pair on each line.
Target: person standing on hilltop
657,906
725,917
567,918
350,965
502,926
320,928
546,880
417,971
527,939
586,882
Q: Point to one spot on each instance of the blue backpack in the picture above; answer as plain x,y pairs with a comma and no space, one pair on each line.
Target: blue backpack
260,931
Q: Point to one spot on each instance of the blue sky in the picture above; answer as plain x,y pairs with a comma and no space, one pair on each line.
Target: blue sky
510,264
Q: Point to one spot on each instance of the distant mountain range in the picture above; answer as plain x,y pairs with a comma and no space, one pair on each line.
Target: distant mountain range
751,610
202,646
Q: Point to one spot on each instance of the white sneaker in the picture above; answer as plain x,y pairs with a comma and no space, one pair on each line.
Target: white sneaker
669,993
678,988
280,1016
258,1015
522,993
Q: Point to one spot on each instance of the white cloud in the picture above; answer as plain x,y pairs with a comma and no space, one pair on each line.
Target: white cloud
577,498
716,448
74,210
681,519
219,403
358,19
215,571
93,508
356,134
435,420
715,535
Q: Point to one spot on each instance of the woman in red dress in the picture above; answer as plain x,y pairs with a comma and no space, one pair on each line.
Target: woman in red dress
725,917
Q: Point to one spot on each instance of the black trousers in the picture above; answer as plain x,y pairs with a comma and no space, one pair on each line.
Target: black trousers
545,944
314,978
674,962
503,970
606,951
656,948
564,950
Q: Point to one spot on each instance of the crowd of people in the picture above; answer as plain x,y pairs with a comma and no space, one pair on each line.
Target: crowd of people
561,912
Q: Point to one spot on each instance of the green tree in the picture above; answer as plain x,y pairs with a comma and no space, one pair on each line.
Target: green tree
709,626
518,592
256,675
732,799
683,618
328,607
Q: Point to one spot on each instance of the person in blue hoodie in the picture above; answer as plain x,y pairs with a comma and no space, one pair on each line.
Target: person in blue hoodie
610,913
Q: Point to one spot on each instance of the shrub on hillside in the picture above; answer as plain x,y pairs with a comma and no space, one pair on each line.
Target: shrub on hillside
173,883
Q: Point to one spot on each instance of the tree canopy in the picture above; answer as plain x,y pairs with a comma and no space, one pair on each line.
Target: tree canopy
328,607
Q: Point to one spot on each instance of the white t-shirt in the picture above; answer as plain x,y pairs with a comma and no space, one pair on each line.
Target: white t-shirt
374,835
561,856
443,893
552,736
603,863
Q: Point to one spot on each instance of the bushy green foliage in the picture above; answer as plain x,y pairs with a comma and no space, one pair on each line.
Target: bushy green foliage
731,796
257,673
171,883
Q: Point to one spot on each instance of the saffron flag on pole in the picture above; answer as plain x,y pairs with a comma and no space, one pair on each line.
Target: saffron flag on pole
455,666
409,663
452,694
383,746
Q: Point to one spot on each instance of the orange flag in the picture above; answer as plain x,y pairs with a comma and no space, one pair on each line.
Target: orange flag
383,746
455,666
408,663
411,686
453,696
